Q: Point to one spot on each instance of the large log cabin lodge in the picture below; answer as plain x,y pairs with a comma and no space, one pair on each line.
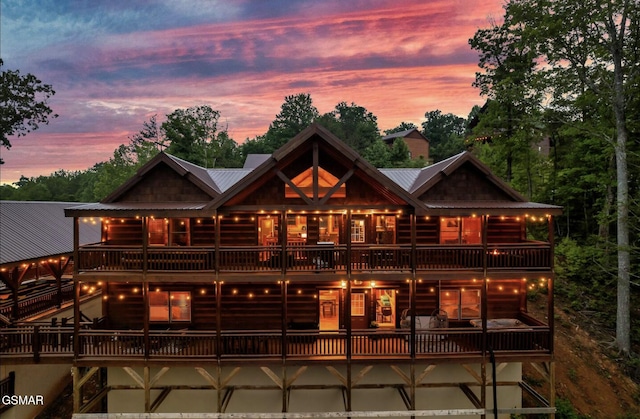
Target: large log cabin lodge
311,275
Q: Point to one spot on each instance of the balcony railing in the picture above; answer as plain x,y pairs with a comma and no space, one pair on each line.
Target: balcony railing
38,302
39,341
316,258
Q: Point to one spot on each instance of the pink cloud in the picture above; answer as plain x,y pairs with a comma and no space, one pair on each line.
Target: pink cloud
398,62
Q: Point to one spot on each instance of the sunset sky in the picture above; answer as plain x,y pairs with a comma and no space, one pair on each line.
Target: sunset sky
116,63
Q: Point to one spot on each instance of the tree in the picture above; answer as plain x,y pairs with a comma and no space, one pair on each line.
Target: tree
445,134
193,135
296,113
23,105
353,124
591,47
508,63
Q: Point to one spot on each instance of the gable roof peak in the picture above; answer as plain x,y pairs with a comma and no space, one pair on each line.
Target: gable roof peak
196,174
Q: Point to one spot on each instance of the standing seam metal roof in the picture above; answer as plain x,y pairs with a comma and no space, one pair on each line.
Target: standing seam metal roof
36,229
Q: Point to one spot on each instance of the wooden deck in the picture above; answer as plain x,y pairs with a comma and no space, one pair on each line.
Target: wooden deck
40,343
530,256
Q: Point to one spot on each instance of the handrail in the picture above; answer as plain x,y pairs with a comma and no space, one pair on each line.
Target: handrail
307,258
39,341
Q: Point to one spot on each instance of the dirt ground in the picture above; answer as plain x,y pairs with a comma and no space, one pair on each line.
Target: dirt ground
591,381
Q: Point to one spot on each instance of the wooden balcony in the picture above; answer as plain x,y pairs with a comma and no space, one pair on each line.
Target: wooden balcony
529,256
38,343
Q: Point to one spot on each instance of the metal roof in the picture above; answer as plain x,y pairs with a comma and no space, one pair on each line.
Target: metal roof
226,178
493,206
405,178
254,160
34,229
399,134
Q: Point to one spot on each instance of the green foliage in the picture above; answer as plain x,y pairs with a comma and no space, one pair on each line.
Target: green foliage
296,113
23,104
445,133
353,124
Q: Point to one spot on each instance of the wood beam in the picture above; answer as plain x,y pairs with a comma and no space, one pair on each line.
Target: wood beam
295,376
472,373
208,377
425,372
158,401
337,374
471,395
94,400
401,373
337,186
364,371
293,186
134,376
316,164
273,376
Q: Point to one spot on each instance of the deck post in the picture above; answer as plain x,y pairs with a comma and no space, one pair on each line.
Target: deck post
551,286
145,301
347,314
552,387
347,235
284,300
145,286
218,286
76,290
483,308
75,375
147,390
483,388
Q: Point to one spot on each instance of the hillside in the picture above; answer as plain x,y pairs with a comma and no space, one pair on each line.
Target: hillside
588,378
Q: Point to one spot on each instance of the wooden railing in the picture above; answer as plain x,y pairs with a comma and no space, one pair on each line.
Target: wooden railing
7,388
318,258
42,341
116,258
534,256
38,302
445,257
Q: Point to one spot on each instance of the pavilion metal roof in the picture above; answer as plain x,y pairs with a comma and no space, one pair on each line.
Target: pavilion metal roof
36,229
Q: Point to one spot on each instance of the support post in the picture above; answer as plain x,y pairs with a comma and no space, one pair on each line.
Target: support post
76,291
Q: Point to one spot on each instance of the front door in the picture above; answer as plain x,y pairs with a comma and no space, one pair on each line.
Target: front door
359,309
329,309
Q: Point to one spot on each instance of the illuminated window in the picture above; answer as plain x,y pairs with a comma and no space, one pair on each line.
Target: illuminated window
172,232
460,304
170,306
456,230
304,182
357,304
357,231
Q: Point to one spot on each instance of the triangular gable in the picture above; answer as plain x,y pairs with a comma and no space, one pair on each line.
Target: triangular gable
166,178
316,147
462,177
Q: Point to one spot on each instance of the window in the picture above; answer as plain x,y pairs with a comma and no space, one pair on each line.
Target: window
169,231
170,306
456,230
357,304
460,303
357,231
385,229
158,232
304,183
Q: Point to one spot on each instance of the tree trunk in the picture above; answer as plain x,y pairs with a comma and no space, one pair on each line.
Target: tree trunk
623,320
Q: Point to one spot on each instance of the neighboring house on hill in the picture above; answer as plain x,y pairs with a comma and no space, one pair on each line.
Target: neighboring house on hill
314,282
417,143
